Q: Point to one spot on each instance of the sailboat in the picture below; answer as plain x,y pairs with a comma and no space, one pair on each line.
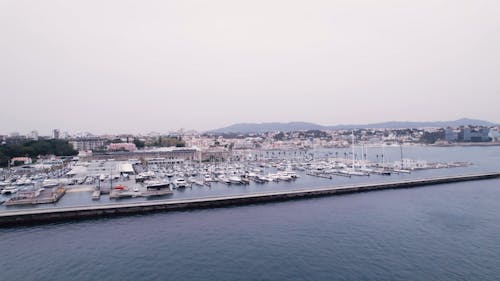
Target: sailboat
353,169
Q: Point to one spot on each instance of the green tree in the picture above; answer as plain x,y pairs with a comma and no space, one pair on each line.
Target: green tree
33,149
138,143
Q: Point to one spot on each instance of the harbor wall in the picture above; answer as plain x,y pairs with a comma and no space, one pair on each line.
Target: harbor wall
49,215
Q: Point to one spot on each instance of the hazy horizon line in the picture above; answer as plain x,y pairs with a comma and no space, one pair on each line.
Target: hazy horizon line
99,132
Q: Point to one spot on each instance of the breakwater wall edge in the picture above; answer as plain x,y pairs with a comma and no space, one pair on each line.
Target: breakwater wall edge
49,215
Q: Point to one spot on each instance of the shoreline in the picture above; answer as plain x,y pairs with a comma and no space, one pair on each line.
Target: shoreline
468,144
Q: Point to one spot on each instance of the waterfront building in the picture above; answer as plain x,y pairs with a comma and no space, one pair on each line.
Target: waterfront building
278,154
122,146
494,134
87,143
23,160
171,153
163,161
480,135
215,155
244,144
464,134
450,134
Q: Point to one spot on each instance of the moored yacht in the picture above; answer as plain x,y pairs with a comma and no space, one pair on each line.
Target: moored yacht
181,183
156,184
157,188
9,190
235,179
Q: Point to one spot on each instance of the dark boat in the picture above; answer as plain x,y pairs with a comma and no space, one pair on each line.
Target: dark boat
157,185
157,188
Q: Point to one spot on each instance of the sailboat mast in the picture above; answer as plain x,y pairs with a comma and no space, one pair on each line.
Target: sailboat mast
383,154
352,150
401,149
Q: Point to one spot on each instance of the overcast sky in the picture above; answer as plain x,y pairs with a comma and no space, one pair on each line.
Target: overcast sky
141,66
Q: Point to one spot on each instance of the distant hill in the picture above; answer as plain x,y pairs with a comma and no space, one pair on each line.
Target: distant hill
409,124
268,127
303,126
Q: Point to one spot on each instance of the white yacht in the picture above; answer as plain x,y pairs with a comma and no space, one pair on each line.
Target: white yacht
235,179
208,178
224,179
9,190
181,183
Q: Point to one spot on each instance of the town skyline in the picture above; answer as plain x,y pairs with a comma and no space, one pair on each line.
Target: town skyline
393,124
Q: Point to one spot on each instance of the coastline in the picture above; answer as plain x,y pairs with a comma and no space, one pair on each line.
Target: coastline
466,144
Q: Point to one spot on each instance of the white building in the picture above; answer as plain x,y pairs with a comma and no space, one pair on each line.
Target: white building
494,134
82,144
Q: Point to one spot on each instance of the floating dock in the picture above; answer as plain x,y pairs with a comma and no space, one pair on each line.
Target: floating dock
46,196
320,175
34,216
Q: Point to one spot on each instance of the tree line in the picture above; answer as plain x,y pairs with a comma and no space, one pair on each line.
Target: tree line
33,149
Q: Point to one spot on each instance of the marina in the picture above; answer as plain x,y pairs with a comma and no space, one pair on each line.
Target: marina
84,212
130,179
125,185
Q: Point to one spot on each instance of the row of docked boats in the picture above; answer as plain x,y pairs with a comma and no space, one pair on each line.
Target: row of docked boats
150,188
205,174
155,180
148,184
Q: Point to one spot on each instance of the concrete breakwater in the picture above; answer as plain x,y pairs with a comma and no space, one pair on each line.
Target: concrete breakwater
34,216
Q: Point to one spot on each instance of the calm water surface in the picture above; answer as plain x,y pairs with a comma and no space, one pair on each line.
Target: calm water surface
445,232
